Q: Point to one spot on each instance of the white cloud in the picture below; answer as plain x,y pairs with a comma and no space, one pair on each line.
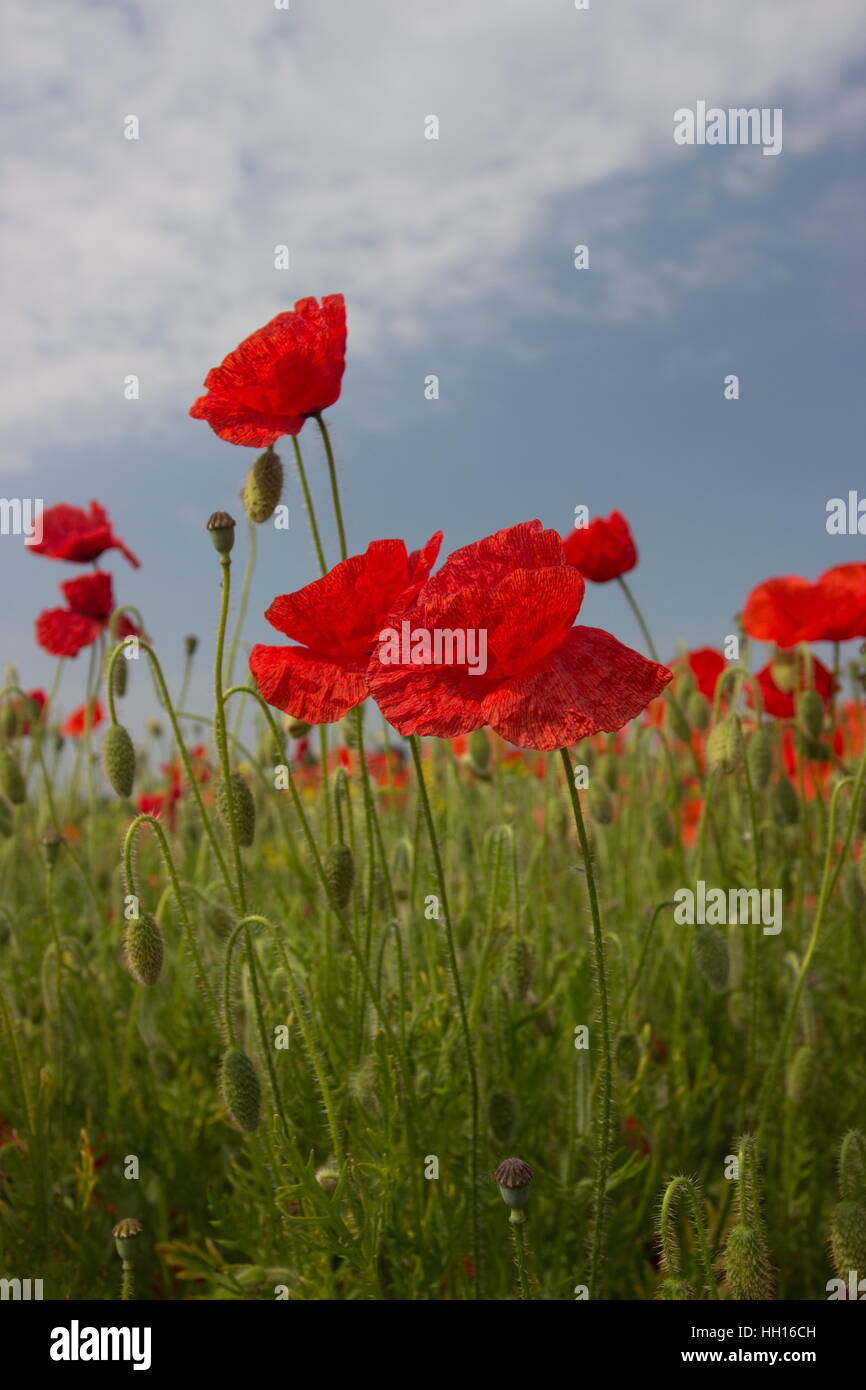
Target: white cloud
261,126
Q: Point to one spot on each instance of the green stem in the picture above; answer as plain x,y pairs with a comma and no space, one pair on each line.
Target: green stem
221,735
335,491
308,501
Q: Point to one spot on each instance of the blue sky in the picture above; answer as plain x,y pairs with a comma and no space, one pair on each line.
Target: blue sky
557,387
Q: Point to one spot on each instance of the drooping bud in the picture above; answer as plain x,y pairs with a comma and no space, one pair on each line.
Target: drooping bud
263,487
747,1264
513,1178
118,759
241,1091
340,873
479,750
222,531
676,722
143,948
699,711
12,781
245,809
518,968
725,746
674,1289
759,757
712,957
852,1168
783,670
810,713
220,921
502,1114
848,1239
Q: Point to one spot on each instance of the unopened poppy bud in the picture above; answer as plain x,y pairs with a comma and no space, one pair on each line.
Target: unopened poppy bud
698,709
783,670
296,728
759,758
222,531
220,921
747,1264
513,1178
327,1177
126,1236
190,645
10,720
340,873
661,825
143,947
787,807
51,843
725,746
676,721
12,781
674,1289
518,968
118,759
263,487
600,803
628,1055
244,806
800,1076
686,683
852,1166
712,957
810,713
240,1089
479,749
502,1114
848,1239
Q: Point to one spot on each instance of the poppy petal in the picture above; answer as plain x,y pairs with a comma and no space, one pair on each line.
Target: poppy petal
305,685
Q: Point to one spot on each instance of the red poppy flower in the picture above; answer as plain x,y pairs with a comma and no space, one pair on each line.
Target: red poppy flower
782,703
280,375
546,684
76,723
70,533
90,603
603,550
841,605
706,665
17,714
791,610
338,619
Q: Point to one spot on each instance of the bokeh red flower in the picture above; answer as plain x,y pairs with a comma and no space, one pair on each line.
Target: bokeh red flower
70,533
603,550
90,603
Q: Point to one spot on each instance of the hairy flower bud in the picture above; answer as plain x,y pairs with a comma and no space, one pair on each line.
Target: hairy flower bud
787,807
759,757
143,947
241,1091
263,487
747,1264
12,781
712,957
848,1239
725,746
245,809
118,759
518,968
800,1076
340,873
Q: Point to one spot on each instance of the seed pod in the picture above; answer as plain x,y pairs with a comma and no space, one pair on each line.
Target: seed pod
52,843
848,1238
502,1114
787,806
518,968
674,1289
600,803
800,1076
245,809
676,722
513,1178
661,825
222,531
11,778
747,1264
810,713
852,1168
126,1237
241,1092
263,487
144,949
699,711
6,824
628,1055
853,893
340,873
759,756
118,759
725,746
712,957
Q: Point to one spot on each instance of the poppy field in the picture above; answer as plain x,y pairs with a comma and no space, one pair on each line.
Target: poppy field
457,950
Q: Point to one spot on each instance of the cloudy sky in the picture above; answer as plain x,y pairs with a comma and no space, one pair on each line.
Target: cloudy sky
306,127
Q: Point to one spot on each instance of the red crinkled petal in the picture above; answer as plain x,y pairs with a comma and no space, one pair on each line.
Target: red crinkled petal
305,685
421,563
62,633
841,604
90,595
603,550
780,610
69,533
781,704
339,615
706,665
287,370
483,563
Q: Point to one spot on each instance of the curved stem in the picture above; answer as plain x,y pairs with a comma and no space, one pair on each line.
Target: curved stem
335,491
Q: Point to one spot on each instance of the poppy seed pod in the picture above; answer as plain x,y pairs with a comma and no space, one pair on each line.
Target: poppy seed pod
263,487
222,531
726,747
118,759
245,809
12,781
126,1237
340,873
513,1178
240,1089
51,843
143,948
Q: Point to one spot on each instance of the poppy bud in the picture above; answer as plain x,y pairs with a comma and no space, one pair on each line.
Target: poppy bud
518,968
190,645
222,531
801,1074
502,1114
661,825
296,728
677,723
11,778
712,957
340,873
725,746
628,1055
144,949
349,731
787,806
479,749
674,1289
759,758
10,720
852,1166
241,1092
118,759
783,670
686,683
220,921
513,1177
126,1234
699,711
848,1238
600,803
245,809
810,713
51,843
747,1264
264,487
